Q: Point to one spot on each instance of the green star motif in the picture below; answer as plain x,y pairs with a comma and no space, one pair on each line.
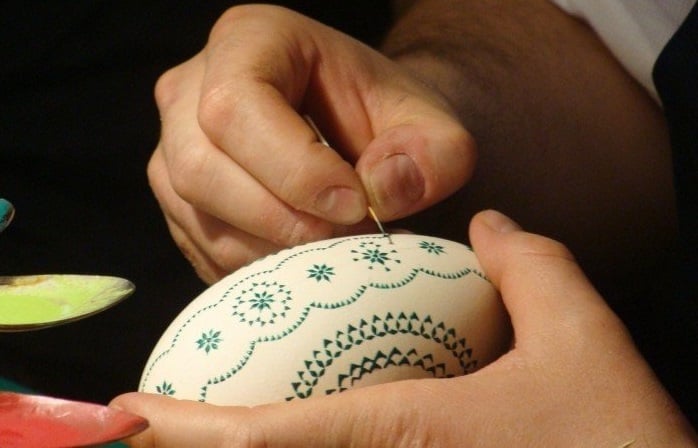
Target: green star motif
209,341
262,301
432,247
375,255
165,389
321,272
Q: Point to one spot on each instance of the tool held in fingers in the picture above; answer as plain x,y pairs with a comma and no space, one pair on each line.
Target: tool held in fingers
324,142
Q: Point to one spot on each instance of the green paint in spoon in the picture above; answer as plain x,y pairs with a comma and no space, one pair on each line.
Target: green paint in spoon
30,302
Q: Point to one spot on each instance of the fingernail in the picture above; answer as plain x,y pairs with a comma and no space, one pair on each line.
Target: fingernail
499,222
341,205
396,183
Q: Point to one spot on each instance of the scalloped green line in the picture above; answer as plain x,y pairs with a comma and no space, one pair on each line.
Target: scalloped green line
353,298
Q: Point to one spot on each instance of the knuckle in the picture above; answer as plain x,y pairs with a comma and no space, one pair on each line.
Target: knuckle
551,248
166,88
227,20
244,433
232,16
230,256
303,229
465,144
187,168
462,157
294,233
300,183
413,425
154,171
293,183
541,248
216,105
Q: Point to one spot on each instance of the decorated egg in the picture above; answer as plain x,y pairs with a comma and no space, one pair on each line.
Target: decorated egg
327,316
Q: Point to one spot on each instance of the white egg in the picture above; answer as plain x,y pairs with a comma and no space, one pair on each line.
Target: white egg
327,316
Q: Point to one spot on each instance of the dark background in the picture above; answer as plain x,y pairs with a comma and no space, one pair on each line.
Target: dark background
77,126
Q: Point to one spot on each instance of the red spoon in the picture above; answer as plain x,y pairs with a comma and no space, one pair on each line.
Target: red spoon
29,421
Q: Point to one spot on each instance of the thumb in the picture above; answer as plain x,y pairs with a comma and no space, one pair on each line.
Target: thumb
183,423
536,276
361,417
415,161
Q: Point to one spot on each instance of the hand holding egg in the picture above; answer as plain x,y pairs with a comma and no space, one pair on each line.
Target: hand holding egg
327,316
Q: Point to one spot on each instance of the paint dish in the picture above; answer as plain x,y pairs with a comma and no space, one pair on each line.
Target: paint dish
33,421
324,317
34,301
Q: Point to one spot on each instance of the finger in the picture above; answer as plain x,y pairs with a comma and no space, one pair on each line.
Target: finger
174,423
206,269
208,179
213,247
536,276
253,83
420,154
387,415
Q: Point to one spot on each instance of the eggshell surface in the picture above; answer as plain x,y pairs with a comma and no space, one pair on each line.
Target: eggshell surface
321,318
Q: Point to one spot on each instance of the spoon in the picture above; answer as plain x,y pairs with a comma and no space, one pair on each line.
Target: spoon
7,212
31,302
38,421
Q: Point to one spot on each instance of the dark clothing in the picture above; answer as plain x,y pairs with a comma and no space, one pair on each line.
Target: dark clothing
676,337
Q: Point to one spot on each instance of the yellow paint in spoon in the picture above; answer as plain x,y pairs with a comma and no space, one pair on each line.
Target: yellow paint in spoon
34,301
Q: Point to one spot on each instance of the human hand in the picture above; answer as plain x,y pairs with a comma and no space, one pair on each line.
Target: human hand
238,172
572,378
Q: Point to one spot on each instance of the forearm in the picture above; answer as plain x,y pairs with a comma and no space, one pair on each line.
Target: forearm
568,143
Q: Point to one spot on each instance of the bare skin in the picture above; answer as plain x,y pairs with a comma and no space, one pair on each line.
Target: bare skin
239,173
567,142
556,387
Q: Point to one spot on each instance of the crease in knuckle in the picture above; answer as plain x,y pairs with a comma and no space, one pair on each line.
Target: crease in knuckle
190,173
411,426
231,254
295,187
217,106
165,90
242,432
545,248
293,232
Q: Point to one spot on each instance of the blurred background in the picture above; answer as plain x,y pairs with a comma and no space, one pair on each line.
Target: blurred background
77,126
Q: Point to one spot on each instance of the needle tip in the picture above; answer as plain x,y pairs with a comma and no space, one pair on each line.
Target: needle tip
378,223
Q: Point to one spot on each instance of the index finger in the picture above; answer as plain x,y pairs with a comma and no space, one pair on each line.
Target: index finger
254,82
